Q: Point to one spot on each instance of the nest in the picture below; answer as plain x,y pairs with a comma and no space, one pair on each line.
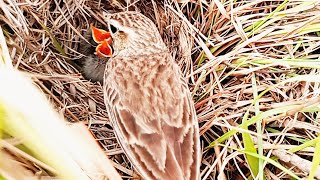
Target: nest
240,59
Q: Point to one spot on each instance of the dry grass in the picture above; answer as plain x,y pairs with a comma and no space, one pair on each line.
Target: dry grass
252,68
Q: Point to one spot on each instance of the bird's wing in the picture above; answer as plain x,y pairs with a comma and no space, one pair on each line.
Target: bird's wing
153,117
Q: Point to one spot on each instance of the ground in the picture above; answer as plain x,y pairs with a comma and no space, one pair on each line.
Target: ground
252,68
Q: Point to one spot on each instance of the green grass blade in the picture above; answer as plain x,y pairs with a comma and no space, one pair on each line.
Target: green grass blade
276,164
259,128
249,146
315,159
253,120
55,42
300,140
303,146
269,160
256,26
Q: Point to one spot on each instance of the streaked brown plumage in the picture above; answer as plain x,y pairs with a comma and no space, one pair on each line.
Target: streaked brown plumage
149,103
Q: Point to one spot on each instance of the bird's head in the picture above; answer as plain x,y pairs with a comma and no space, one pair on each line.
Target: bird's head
131,34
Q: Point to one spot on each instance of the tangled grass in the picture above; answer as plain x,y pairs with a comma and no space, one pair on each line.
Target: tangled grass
252,66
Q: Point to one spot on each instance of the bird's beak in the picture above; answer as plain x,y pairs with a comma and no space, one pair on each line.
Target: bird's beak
103,38
104,49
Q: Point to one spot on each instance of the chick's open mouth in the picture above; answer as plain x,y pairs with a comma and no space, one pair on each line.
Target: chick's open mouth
104,40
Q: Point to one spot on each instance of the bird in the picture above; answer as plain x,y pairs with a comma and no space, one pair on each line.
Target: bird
147,99
92,64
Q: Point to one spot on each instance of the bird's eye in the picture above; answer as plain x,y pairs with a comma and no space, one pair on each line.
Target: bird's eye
113,29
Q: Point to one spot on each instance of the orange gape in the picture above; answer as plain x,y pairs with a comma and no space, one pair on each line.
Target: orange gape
103,38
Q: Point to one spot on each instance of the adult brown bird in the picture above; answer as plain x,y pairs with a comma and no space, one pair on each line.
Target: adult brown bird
148,100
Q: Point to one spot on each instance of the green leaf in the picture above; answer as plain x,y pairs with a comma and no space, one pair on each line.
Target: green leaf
55,42
315,159
272,112
276,164
256,26
253,120
300,140
269,160
303,146
249,146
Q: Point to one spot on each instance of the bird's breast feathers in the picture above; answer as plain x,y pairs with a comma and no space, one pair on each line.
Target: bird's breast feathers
152,112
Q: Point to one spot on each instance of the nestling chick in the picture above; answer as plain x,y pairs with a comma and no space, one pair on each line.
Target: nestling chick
92,65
